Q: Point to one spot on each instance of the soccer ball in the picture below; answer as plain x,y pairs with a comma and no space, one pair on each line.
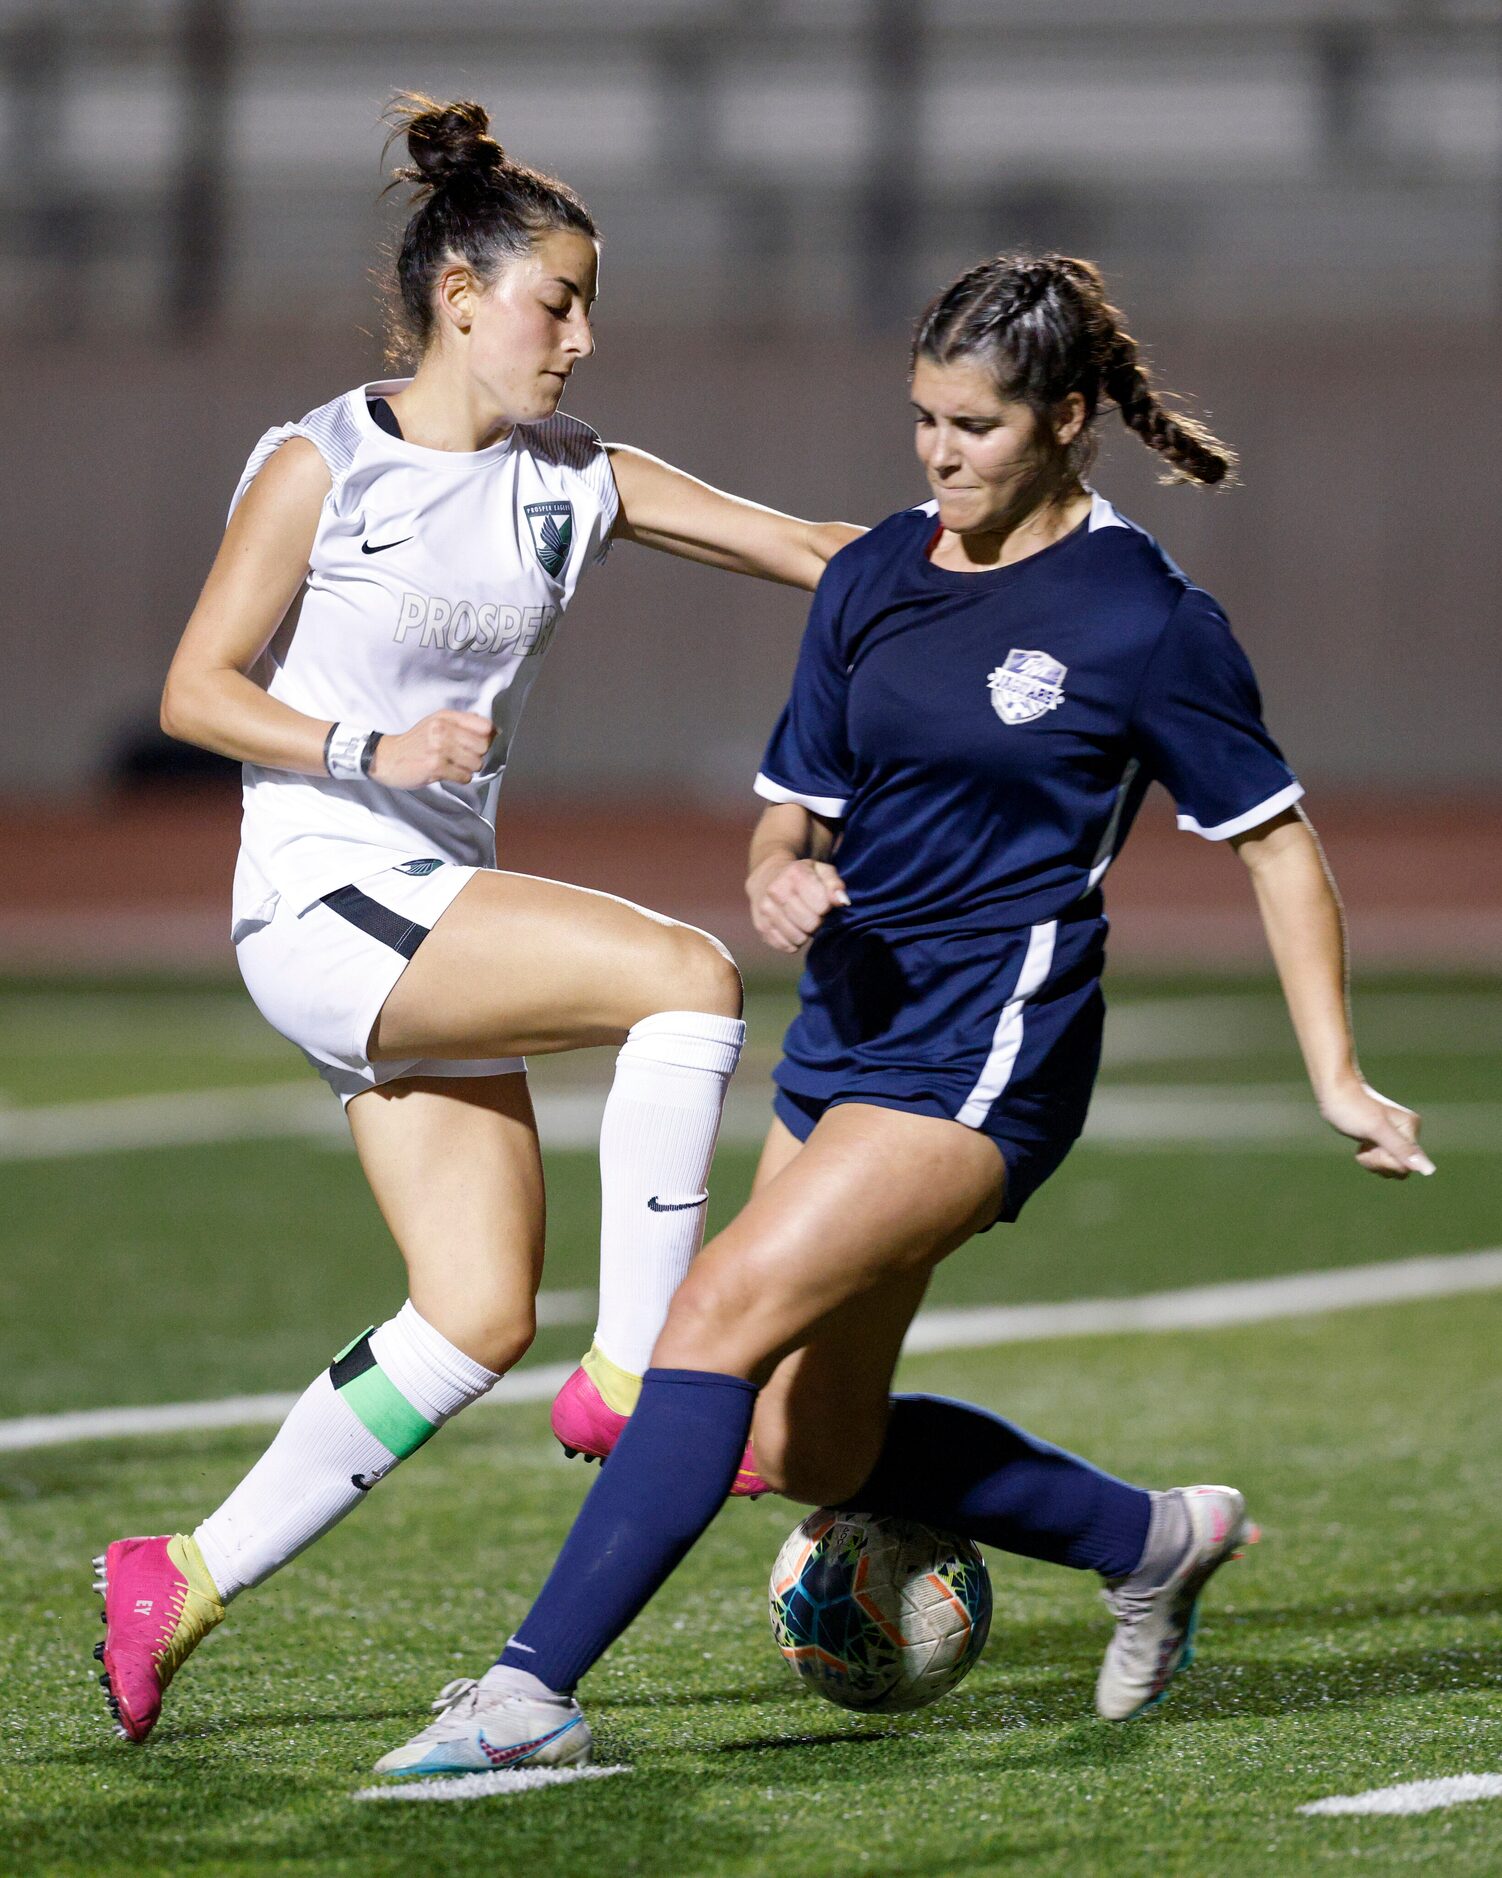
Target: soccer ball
879,1614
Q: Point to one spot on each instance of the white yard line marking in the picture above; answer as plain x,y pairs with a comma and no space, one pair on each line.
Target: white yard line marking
1278,1117
1208,1307
565,1307
1223,1026
237,1411
1125,1117
1413,1796
502,1781
119,1123
1202,1307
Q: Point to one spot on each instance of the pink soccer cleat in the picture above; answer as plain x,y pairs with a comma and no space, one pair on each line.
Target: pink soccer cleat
159,1605
585,1423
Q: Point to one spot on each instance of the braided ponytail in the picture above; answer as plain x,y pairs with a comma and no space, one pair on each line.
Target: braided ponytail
1045,327
1193,452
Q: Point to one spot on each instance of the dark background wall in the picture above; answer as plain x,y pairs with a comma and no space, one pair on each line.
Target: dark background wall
1361,560
1298,203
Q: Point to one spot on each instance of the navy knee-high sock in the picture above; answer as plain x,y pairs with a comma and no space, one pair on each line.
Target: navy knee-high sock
666,1480
954,1465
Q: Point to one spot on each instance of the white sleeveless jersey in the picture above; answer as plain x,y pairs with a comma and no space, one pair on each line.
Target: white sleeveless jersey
435,582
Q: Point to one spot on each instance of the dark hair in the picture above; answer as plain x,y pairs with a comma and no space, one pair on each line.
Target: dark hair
1043,325
472,203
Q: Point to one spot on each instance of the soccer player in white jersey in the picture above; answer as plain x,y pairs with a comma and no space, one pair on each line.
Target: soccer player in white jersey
436,527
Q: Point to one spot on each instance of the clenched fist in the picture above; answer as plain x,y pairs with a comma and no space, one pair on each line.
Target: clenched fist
791,899
449,746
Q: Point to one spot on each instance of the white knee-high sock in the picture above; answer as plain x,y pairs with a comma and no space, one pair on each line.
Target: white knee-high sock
656,1143
377,1403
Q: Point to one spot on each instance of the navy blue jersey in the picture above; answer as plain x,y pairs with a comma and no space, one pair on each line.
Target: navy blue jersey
986,739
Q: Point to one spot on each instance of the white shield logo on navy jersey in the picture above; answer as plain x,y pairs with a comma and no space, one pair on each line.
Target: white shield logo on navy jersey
1027,686
552,525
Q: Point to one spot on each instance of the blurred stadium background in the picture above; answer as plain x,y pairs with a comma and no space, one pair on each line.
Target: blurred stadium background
1299,203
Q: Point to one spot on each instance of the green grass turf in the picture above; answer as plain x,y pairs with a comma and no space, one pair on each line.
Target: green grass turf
182,1273
1362,1645
1359,1645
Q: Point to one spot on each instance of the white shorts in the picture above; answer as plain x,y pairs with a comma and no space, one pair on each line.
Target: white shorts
321,979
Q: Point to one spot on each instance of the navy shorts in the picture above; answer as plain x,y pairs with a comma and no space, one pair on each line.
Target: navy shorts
1000,1032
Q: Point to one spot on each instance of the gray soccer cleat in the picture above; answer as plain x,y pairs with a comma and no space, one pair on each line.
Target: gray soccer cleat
1157,1608
489,1724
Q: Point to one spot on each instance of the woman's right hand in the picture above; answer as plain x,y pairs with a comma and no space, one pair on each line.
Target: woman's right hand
449,746
790,900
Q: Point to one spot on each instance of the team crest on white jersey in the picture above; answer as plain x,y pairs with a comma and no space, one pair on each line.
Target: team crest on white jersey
1027,686
552,526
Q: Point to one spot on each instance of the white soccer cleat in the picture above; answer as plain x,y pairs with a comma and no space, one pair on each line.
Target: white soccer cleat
1157,1609
481,1728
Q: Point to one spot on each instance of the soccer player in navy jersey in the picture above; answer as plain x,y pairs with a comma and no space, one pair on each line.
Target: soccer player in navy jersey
987,686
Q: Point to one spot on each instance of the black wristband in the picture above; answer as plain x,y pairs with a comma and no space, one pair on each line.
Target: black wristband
367,755
327,745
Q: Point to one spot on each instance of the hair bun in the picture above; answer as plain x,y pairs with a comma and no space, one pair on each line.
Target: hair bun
446,141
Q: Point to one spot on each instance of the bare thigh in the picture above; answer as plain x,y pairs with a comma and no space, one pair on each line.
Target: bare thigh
875,1196
455,1169
519,966
821,1418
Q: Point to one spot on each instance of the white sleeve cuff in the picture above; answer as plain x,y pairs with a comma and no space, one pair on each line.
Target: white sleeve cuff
831,806
1252,818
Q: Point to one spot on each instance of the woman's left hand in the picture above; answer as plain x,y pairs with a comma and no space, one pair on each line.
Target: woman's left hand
1388,1133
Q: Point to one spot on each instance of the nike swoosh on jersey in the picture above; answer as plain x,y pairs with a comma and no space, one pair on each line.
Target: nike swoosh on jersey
366,548
674,1206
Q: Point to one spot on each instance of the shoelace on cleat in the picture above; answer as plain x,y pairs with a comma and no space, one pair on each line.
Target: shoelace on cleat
455,1704
453,1693
177,1598
1129,1607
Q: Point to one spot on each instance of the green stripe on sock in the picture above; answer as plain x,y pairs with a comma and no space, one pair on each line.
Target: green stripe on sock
386,1412
352,1342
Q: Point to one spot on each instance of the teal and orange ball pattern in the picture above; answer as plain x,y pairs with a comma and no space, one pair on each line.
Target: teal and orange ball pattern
879,1614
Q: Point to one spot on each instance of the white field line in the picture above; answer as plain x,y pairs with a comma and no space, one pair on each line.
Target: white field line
122,1123
1204,1307
1132,1118
1208,1307
1221,1026
236,1411
501,1781
565,1307
1413,1796
1275,1117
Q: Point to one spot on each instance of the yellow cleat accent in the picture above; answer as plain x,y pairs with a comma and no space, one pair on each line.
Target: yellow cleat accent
201,1609
619,1389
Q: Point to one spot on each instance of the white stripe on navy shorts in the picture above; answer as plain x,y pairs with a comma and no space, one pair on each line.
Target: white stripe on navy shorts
999,1032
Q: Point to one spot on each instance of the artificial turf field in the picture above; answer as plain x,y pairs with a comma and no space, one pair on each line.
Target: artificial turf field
1359,1646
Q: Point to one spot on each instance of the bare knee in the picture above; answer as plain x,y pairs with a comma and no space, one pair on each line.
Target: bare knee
712,1325
501,1343
701,975
495,1334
